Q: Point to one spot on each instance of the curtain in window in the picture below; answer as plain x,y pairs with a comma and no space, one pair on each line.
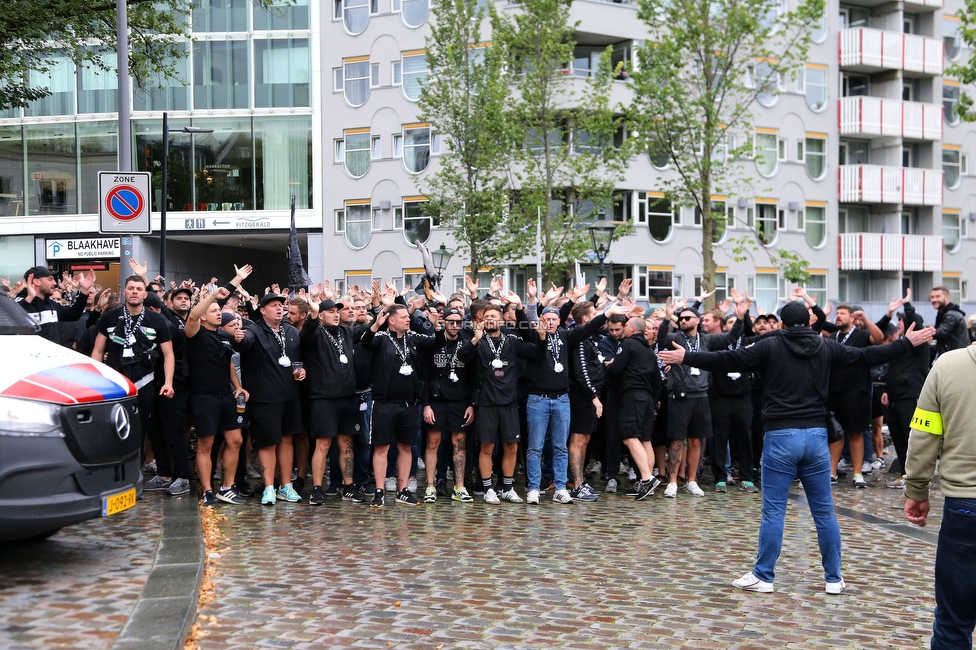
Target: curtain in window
286,144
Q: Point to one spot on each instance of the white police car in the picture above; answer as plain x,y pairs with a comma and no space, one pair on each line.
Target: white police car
70,441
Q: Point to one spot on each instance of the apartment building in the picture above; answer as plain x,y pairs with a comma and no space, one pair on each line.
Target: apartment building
864,172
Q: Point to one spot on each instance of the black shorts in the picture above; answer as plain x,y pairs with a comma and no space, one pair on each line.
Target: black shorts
271,421
582,413
852,410
329,417
394,422
877,408
214,414
635,416
498,424
448,417
689,417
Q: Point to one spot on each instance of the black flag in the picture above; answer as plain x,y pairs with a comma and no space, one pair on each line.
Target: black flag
297,277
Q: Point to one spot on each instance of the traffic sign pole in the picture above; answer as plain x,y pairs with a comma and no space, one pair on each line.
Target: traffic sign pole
165,201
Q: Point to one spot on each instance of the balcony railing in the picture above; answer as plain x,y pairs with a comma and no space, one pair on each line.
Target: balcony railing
877,48
890,117
877,184
878,252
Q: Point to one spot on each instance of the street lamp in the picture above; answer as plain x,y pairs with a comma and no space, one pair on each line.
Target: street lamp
165,202
441,258
601,235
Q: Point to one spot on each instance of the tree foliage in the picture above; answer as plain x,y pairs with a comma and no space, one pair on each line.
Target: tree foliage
703,66
565,161
466,98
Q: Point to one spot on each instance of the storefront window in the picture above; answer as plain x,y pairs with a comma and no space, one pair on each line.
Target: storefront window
98,146
60,80
51,169
220,15
283,163
148,153
98,88
11,171
220,74
165,94
282,15
224,159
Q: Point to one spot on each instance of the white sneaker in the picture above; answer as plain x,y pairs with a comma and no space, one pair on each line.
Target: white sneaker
532,497
412,485
835,588
671,491
421,464
632,475
612,485
511,496
843,463
391,484
692,488
866,467
562,496
491,497
878,463
749,582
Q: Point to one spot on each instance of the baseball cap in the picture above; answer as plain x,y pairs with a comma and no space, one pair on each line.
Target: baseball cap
153,301
326,305
794,313
39,272
187,290
270,297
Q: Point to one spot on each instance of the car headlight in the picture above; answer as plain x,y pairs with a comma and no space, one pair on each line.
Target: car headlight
20,417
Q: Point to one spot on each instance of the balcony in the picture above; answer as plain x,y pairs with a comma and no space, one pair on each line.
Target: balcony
878,252
863,49
902,185
867,116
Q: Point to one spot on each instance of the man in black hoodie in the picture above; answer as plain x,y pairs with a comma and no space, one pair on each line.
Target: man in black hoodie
950,322
36,301
795,365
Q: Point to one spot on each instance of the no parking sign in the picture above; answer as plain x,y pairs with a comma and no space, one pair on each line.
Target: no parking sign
123,204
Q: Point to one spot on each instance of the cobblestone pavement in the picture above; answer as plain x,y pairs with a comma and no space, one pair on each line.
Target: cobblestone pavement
77,589
609,574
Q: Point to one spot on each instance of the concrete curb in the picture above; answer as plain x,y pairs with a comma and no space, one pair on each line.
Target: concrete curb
167,605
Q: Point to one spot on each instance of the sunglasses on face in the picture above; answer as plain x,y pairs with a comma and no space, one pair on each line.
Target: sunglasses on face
684,318
453,322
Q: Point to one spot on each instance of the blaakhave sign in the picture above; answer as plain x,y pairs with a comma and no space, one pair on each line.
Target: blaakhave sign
83,249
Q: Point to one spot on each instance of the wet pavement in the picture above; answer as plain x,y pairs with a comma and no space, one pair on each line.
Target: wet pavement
78,588
611,574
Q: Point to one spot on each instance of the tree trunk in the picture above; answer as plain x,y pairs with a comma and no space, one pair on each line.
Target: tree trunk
708,257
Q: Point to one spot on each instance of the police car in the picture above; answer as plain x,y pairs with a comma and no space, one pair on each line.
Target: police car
70,441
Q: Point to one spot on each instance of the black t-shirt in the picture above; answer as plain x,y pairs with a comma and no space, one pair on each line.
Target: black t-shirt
851,380
133,346
209,354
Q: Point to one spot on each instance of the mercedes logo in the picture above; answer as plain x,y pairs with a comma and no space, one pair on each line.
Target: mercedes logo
121,419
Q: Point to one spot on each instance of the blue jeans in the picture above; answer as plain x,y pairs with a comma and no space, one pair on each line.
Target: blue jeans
955,566
788,453
547,416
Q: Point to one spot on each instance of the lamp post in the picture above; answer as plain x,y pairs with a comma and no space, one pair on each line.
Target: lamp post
601,235
165,201
441,258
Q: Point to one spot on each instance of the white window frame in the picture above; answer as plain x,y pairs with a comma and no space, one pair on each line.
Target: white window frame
804,221
803,154
399,74
755,220
346,78
403,145
345,216
807,85
957,165
777,154
951,116
956,218
346,150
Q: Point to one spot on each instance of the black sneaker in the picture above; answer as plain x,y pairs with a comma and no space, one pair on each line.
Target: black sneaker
332,490
209,500
379,498
644,489
406,498
634,489
364,490
230,495
441,485
317,497
298,484
350,494
244,490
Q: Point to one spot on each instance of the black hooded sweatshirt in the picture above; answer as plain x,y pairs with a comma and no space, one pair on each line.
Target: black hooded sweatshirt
795,364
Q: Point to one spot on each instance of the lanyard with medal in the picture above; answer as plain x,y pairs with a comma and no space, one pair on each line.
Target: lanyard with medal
497,361
129,327
283,360
453,363
405,369
343,359
694,372
555,344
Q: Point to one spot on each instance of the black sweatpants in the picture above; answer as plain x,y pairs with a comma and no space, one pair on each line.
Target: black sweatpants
732,423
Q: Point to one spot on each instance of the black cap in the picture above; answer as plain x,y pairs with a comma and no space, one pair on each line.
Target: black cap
39,272
692,310
271,297
453,312
326,305
153,301
793,314
227,318
187,290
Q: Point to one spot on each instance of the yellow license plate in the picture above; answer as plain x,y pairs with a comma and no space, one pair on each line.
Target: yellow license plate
116,503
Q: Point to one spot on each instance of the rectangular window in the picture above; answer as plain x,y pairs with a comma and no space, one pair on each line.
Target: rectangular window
337,80
165,94
815,86
398,145
954,285
377,147
282,15
220,15
951,232
60,80
814,223
660,284
356,82
721,286
950,166
283,161
622,206
766,148
52,161
98,84
814,156
340,150
220,74
374,75
767,222
282,70
411,74
357,154
767,291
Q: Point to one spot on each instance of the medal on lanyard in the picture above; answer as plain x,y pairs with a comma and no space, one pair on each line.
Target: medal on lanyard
555,348
343,359
558,367
406,370
453,377
284,361
497,364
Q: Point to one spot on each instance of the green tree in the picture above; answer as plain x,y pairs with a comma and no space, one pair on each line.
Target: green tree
704,65
36,34
465,99
566,160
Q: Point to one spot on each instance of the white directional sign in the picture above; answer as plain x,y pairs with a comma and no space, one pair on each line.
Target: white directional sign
123,203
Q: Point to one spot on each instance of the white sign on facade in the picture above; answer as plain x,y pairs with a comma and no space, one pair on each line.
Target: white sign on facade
83,249
123,203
